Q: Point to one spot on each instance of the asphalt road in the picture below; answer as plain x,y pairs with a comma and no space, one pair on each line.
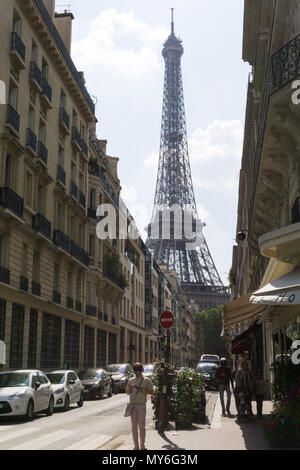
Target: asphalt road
87,428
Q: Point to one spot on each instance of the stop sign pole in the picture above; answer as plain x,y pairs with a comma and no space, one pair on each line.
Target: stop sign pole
166,321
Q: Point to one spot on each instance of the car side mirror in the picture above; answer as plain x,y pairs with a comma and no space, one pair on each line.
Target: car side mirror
37,385
71,382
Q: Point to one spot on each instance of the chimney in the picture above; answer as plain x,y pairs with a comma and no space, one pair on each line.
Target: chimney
63,23
50,5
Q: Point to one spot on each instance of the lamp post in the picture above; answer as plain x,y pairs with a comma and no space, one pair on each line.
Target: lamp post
166,322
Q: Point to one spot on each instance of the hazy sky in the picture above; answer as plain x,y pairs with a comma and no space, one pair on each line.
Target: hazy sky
118,44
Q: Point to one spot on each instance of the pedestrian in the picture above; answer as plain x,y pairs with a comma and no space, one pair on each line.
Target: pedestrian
138,388
259,392
245,381
223,379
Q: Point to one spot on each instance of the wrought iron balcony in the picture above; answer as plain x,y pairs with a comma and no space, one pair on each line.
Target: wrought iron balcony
36,288
61,175
92,213
13,118
47,90
42,225
62,240
10,200
113,320
78,306
56,297
31,140
100,315
24,283
18,47
70,303
4,275
105,317
84,147
79,253
73,189
35,74
81,199
91,310
64,118
43,152
76,138
93,168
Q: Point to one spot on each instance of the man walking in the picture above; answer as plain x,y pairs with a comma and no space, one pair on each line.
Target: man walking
139,387
224,378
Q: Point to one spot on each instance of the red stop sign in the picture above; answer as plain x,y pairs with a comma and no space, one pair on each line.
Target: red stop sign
167,320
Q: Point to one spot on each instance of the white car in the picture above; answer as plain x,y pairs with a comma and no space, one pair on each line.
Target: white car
25,392
67,388
210,358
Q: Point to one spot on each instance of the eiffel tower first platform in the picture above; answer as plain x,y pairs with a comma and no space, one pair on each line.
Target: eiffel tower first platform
200,281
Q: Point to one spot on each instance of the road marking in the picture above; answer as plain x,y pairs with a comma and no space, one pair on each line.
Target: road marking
16,434
90,443
39,443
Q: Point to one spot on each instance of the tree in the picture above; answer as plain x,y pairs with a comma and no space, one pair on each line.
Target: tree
209,326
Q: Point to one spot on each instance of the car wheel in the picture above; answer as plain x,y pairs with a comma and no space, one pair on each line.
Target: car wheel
80,402
50,408
67,403
29,412
110,392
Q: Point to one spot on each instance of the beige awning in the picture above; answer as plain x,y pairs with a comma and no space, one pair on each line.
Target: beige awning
240,310
283,291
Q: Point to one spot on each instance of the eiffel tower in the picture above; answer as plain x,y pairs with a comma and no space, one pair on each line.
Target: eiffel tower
192,261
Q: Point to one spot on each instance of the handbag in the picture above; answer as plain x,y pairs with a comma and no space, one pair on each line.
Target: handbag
129,406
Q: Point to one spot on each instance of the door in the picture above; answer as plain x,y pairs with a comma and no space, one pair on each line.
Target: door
37,393
72,387
45,390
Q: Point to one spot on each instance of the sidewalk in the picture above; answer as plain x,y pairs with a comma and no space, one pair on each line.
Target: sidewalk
222,433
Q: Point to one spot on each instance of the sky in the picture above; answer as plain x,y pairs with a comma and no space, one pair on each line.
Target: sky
118,45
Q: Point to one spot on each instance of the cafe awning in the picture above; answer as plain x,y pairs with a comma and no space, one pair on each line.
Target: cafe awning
240,310
242,343
283,291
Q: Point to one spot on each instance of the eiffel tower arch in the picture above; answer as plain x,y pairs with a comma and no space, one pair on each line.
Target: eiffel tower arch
200,280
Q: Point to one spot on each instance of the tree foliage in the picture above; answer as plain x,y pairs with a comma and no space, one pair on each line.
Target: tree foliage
208,330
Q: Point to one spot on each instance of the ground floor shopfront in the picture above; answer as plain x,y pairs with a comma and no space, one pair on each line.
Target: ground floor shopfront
39,334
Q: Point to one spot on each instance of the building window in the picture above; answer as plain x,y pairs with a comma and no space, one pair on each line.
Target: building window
51,341
101,348
56,278
45,70
70,285
32,345
28,189
59,217
112,348
39,202
72,343
16,342
13,95
8,172
36,266
4,247
61,157
92,246
24,266
80,235
34,52
89,343
2,318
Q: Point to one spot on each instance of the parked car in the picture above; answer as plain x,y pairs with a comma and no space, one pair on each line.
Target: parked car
96,383
208,370
210,358
149,370
25,392
120,374
67,388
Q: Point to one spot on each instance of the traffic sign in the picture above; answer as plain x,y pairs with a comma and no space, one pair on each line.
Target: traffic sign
167,320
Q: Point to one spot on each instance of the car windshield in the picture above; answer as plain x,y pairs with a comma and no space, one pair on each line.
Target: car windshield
56,378
114,370
148,368
14,379
89,374
206,367
210,358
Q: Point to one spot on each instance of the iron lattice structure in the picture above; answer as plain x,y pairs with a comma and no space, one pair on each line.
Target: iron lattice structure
199,277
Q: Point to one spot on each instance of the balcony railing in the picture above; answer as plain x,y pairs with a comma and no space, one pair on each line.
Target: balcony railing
84,147
81,199
24,283
43,152
62,240
31,139
61,175
70,303
76,137
13,118
42,225
47,90
91,310
79,253
4,275
35,73
36,288
18,46
73,189
78,306
56,297
10,200
64,117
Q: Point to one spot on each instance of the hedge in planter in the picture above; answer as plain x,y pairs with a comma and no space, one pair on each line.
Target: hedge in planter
187,386
158,379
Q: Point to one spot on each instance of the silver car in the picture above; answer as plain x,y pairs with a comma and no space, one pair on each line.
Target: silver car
25,392
67,388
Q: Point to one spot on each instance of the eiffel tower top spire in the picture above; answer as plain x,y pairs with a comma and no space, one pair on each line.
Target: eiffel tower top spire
172,24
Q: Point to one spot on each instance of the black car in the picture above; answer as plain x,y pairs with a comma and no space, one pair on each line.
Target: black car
208,370
96,383
120,374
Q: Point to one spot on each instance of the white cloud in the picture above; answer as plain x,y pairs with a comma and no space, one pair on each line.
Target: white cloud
122,43
152,160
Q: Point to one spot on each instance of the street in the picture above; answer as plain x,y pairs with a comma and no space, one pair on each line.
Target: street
88,428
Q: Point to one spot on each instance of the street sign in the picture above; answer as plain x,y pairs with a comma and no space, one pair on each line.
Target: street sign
166,320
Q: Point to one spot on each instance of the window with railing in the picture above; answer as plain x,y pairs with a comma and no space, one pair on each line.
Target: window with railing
16,340
51,341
